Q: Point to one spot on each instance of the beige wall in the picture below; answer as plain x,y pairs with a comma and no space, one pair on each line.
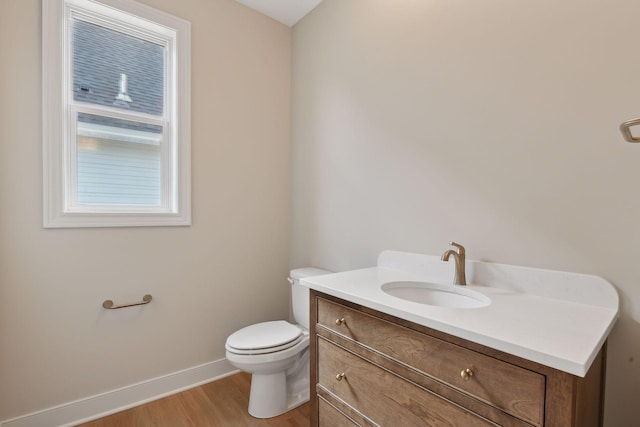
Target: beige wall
492,123
57,344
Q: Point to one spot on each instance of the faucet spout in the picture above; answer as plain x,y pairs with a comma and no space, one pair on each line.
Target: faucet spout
459,255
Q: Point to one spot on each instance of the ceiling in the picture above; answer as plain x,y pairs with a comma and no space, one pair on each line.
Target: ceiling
286,11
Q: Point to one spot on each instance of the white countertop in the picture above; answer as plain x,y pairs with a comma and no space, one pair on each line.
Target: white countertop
553,318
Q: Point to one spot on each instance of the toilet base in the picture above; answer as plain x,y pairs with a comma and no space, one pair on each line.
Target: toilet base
279,380
268,397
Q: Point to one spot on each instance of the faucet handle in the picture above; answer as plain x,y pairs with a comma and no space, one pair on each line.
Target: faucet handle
460,248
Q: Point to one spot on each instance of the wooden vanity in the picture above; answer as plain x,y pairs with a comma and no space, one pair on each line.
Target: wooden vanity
369,368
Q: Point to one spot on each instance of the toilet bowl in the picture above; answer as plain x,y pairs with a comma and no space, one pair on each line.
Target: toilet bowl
276,354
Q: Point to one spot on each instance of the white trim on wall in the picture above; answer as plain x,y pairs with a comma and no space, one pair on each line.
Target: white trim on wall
98,406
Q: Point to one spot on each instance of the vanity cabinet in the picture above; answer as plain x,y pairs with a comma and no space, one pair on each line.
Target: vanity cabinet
373,369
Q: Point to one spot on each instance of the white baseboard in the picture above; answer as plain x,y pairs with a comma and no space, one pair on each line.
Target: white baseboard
113,401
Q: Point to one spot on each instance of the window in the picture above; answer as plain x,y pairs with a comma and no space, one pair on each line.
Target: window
116,137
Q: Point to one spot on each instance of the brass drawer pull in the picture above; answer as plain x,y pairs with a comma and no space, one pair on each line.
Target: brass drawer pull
466,374
340,321
340,376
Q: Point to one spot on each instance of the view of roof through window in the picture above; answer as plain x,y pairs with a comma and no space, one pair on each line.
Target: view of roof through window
101,55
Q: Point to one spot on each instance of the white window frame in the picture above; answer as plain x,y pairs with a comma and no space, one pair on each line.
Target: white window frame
60,112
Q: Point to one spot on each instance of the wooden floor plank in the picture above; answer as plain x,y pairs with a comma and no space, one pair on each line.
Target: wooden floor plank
221,403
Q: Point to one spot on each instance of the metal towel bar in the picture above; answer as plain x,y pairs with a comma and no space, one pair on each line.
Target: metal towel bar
626,133
109,304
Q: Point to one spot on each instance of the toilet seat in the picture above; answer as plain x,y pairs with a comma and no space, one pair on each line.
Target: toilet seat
265,337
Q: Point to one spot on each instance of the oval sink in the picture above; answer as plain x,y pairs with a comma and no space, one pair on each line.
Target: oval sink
449,296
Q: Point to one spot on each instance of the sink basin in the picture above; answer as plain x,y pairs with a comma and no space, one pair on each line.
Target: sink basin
449,296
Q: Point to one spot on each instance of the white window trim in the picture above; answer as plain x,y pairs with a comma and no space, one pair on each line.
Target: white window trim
57,145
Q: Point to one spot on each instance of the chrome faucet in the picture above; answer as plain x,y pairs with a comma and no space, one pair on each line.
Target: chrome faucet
458,255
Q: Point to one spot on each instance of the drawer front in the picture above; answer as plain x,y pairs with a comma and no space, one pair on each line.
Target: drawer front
383,397
514,390
328,416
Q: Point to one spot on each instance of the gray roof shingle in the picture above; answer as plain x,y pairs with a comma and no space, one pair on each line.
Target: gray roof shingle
101,54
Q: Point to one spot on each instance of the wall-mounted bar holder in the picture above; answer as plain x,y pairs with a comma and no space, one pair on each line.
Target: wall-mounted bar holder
109,304
626,133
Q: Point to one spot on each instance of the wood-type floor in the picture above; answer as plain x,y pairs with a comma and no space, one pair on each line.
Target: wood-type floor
222,403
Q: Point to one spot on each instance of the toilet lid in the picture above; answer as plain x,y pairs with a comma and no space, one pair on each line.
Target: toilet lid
264,337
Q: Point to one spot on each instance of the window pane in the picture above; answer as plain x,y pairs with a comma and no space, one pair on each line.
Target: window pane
118,162
115,69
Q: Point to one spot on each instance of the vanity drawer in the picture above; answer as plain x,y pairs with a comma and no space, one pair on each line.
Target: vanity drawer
385,398
512,389
328,416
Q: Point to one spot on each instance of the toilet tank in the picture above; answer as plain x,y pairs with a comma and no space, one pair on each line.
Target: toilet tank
300,294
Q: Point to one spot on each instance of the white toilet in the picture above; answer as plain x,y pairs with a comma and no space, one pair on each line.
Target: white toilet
277,354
